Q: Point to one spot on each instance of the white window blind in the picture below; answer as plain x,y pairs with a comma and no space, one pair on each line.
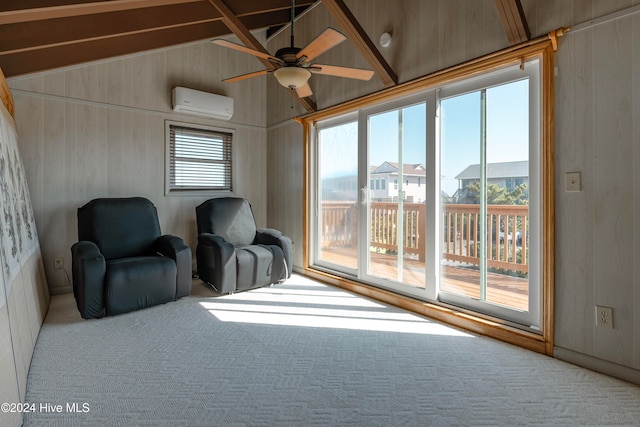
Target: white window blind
199,159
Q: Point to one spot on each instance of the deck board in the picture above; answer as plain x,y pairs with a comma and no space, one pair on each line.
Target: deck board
503,290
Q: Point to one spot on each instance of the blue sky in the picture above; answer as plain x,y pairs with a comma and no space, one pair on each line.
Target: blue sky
383,129
507,134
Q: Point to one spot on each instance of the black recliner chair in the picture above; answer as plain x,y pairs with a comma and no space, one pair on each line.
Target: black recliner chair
232,254
122,263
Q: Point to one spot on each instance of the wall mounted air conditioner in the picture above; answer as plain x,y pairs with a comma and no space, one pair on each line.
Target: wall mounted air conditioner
190,101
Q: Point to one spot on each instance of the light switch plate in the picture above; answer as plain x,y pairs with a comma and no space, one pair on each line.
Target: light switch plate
572,182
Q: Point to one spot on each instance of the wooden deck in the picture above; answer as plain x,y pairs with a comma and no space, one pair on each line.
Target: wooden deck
503,290
506,230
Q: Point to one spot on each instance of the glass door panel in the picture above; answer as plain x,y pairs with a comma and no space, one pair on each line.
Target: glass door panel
507,194
484,158
460,209
396,193
337,194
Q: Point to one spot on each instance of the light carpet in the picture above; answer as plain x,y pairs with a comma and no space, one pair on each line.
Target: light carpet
301,354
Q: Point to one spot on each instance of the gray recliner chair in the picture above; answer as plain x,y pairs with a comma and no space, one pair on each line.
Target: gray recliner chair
232,254
122,263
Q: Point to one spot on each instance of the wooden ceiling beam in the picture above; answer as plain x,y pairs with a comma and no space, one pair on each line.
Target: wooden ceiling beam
354,31
241,31
308,103
38,35
248,8
245,36
80,41
65,11
33,47
64,55
35,35
513,20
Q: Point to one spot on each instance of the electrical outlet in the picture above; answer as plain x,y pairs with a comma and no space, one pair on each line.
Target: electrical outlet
58,263
604,317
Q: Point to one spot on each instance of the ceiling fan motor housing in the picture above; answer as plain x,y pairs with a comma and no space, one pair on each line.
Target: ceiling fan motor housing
288,55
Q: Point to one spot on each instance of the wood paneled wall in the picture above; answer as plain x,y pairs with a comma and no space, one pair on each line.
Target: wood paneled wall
285,184
24,295
597,233
597,105
99,131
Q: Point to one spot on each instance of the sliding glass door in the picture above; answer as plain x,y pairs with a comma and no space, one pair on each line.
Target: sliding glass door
488,157
394,250
370,196
437,195
336,218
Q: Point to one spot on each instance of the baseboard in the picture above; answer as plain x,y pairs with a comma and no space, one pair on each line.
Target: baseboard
599,365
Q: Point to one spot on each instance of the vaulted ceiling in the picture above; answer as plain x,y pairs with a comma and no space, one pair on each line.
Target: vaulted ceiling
38,35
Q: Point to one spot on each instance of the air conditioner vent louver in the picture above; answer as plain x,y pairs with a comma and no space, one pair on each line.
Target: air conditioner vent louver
190,101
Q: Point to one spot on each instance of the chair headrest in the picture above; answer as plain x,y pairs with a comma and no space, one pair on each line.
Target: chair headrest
121,227
229,217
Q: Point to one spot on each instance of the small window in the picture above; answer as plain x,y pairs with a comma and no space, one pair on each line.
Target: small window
198,158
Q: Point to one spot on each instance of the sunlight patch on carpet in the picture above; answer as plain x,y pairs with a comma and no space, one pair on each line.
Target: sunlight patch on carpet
324,308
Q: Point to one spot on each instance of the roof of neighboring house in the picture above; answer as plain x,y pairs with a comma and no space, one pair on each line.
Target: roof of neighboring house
392,167
497,170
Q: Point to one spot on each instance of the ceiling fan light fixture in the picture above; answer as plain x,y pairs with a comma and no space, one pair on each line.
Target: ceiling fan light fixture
292,77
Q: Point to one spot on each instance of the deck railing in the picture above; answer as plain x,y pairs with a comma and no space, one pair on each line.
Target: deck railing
339,224
506,229
384,230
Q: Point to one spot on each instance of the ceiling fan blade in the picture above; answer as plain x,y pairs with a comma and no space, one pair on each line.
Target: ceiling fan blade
325,41
244,49
332,70
247,76
304,91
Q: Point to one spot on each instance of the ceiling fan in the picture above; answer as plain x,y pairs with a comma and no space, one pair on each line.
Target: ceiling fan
292,66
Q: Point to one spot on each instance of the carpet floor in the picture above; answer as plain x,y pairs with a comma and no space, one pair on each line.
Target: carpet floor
301,354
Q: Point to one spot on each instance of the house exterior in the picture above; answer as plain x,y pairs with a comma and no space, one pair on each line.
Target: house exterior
384,182
506,174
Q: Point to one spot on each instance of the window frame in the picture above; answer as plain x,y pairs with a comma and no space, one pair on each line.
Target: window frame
530,70
170,189
542,48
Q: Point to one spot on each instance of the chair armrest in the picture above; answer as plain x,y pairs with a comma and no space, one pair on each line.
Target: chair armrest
88,268
270,236
174,248
216,259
